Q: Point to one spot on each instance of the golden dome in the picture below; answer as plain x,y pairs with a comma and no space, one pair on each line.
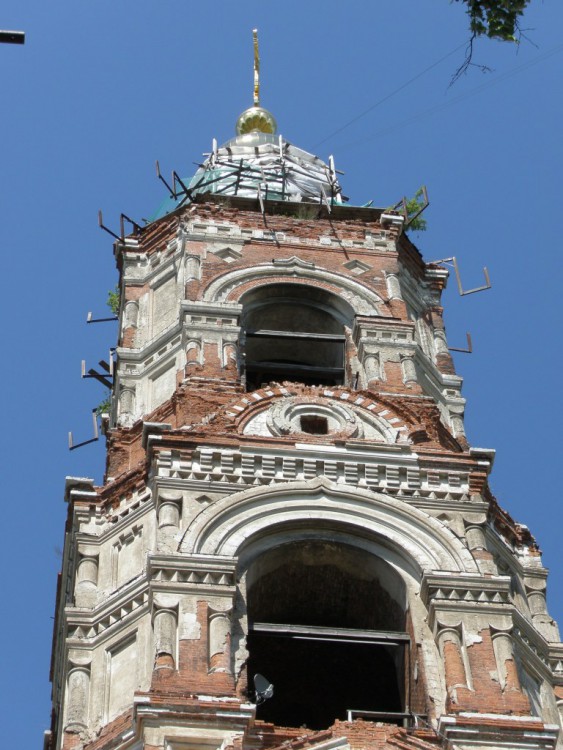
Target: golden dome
256,120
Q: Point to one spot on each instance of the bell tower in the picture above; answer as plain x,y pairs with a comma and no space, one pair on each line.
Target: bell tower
295,544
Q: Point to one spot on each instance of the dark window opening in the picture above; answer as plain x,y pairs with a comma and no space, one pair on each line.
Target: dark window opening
294,332
314,425
326,632
319,681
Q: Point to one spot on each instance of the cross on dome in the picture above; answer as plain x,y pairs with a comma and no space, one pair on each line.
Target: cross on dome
256,119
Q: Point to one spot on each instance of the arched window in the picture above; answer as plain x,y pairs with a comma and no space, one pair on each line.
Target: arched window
327,629
294,332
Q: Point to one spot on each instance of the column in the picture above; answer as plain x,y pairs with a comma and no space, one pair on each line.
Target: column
165,635
78,696
408,368
85,592
504,656
220,641
451,648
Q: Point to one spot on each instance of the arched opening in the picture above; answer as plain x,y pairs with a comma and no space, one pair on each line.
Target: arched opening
326,628
294,332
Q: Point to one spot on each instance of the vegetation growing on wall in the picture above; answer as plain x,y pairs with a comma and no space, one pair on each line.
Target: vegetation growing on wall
113,300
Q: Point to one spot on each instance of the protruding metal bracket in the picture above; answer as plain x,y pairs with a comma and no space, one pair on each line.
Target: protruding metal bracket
108,366
106,229
261,202
161,178
214,153
402,208
469,349
325,200
177,180
97,375
402,205
122,219
410,219
12,37
463,292
90,319
72,446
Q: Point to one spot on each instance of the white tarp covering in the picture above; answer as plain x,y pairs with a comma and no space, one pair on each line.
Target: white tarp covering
264,163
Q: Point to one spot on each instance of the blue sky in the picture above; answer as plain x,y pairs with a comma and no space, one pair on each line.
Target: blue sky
102,89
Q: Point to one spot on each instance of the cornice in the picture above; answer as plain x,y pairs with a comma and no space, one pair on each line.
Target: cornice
94,625
139,354
465,591
478,730
546,657
197,574
151,267
394,469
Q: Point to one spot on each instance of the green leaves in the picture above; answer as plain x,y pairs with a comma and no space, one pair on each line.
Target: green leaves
414,205
105,406
496,19
113,300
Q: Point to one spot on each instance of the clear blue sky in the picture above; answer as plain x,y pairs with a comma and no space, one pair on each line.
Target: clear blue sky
102,89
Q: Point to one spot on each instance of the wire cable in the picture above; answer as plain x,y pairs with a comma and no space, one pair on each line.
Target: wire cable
389,96
472,92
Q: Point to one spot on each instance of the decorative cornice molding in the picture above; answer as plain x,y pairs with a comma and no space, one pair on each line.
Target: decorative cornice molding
477,730
465,589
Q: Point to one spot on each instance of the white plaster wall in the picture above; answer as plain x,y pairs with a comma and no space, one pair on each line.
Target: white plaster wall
123,552
122,678
162,386
121,664
164,306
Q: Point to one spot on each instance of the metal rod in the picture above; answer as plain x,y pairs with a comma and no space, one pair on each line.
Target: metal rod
290,629
262,207
323,194
185,188
334,640
72,446
136,227
465,292
100,378
109,231
264,333
426,203
12,37
160,177
469,349
90,319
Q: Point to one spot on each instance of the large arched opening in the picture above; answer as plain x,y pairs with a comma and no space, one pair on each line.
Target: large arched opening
294,332
326,626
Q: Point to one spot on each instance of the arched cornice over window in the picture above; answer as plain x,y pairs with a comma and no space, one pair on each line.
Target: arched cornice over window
231,285
244,524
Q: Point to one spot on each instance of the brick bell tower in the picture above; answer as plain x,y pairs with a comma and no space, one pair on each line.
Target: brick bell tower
290,499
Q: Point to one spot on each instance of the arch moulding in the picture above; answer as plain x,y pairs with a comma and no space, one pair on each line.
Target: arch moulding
232,284
292,510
